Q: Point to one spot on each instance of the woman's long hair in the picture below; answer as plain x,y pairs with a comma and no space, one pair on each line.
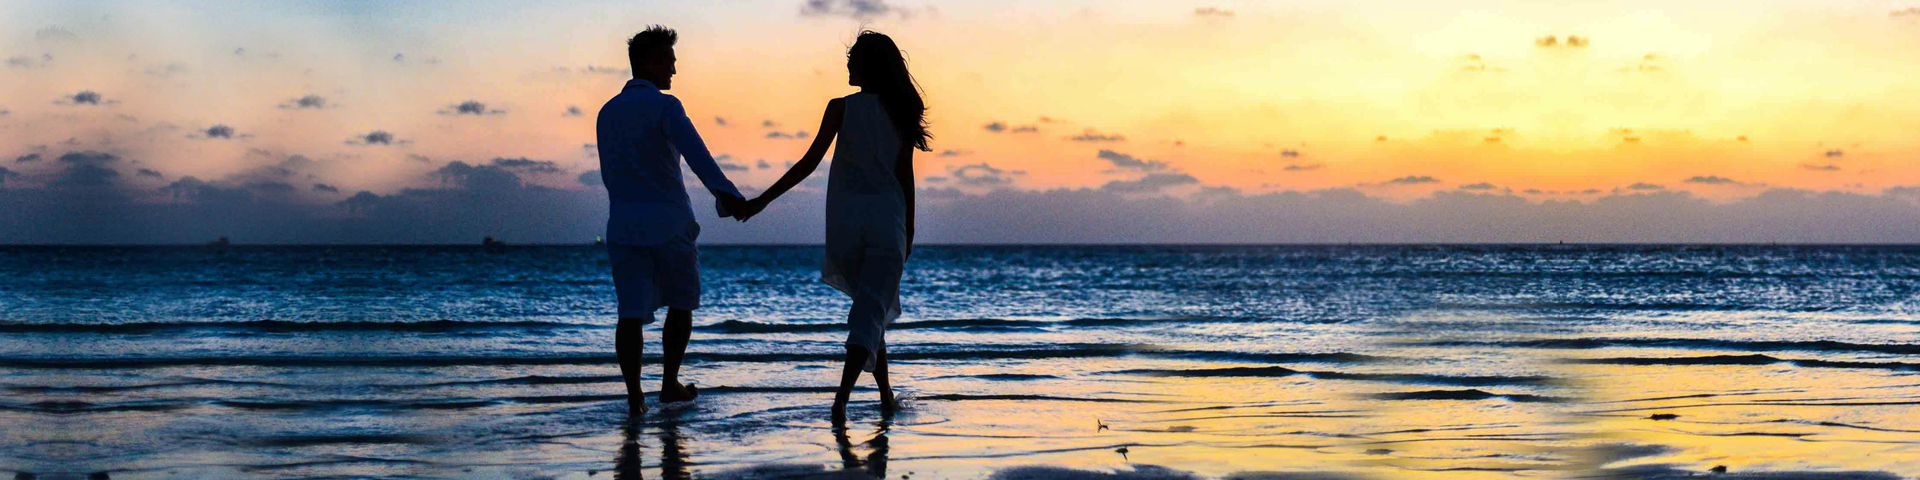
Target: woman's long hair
883,70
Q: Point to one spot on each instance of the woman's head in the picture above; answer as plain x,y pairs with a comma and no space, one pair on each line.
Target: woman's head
875,65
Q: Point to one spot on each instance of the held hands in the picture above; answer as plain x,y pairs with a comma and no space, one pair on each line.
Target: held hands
750,208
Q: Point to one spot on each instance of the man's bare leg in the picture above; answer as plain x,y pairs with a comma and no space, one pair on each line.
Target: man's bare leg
673,349
629,341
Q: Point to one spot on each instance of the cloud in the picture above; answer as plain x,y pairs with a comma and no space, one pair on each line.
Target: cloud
166,71
148,172
768,124
719,120
1836,153
955,153
1646,187
1152,182
572,111
1303,168
305,101
981,175
1711,180
592,178
55,36
6,174
470,107
219,131
86,175
856,9
1092,136
1479,186
1129,162
84,97
794,135
726,163
377,137
761,164
31,157
1211,13
1290,153
23,61
996,127
1025,129
526,165
1412,180
325,188
1821,168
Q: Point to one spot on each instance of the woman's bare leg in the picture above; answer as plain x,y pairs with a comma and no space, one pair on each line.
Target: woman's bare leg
880,377
856,358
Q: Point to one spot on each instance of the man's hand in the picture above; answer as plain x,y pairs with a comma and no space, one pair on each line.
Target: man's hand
751,208
732,204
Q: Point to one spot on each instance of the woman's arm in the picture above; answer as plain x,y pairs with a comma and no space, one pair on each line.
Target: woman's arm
903,169
829,128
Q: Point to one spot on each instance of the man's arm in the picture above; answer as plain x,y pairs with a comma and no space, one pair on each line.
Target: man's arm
687,141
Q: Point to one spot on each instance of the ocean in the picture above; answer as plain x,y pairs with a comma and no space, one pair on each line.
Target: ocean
1140,362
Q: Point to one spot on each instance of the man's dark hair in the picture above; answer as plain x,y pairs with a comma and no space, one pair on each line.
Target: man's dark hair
649,43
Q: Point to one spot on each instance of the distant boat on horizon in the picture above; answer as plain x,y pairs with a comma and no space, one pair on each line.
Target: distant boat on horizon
219,242
491,242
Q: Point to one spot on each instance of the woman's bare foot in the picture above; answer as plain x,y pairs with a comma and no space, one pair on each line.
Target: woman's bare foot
636,406
887,403
839,414
678,393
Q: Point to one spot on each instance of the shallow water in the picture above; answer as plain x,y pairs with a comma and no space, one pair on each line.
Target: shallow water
1362,362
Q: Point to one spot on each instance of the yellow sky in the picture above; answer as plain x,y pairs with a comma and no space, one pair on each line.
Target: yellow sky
1462,92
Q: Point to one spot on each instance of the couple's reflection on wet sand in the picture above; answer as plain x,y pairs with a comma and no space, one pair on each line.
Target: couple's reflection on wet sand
673,455
875,464
674,463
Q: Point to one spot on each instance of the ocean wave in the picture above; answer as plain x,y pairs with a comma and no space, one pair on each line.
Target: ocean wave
1275,371
1745,360
1690,343
270,326
1470,394
990,324
343,360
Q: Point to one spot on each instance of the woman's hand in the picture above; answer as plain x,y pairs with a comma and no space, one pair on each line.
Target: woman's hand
751,208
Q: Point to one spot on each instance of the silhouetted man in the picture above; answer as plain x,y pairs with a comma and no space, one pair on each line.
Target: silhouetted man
643,134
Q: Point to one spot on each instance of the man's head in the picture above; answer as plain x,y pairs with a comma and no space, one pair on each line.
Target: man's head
651,54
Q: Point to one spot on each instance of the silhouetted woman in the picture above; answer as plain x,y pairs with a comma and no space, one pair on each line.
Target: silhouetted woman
869,200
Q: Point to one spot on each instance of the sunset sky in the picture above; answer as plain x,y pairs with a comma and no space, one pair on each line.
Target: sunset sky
1500,121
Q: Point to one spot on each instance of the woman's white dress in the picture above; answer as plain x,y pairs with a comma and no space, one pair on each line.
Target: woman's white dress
866,222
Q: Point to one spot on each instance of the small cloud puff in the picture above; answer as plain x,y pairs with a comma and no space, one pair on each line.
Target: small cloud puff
85,97
1093,136
306,101
1479,186
1303,167
573,111
855,9
1130,162
1711,180
794,135
1412,180
470,107
377,137
1153,182
325,188
1212,13
955,153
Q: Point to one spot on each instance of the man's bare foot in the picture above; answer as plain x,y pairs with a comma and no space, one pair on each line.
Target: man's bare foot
678,393
636,406
887,402
839,414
